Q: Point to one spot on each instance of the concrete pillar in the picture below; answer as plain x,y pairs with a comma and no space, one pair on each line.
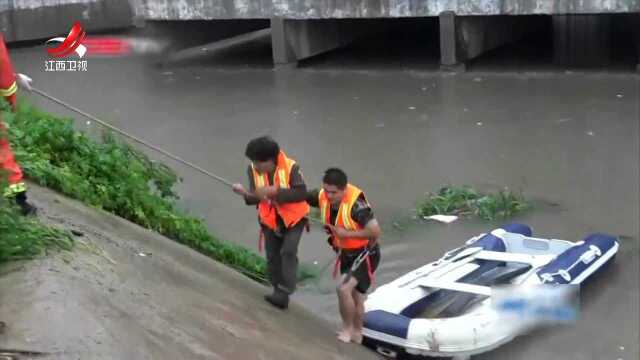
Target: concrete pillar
463,38
449,60
294,40
581,40
281,46
636,40
634,25
638,51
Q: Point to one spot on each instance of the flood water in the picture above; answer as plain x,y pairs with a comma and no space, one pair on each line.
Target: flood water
568,141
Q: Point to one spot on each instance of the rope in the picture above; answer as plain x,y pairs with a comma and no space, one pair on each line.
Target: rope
134,138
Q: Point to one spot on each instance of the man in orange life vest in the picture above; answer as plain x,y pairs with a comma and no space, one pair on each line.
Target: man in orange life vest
354,231
278,190
9,82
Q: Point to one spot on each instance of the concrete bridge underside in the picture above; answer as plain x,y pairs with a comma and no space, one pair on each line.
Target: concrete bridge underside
299,29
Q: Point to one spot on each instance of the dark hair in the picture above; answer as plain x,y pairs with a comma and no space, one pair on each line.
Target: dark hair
263,148
335,177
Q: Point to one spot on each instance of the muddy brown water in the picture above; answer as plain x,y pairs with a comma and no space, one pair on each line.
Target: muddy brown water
568,141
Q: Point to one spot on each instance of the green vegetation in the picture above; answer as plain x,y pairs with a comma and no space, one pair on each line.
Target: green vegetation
465,201
26,238
113,176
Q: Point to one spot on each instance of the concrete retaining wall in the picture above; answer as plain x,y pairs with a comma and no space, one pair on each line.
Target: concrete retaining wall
39,19
325,9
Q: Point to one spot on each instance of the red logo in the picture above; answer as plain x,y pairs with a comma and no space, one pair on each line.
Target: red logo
72,43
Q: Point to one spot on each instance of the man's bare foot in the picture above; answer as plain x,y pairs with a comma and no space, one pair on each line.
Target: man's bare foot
344,336
356,337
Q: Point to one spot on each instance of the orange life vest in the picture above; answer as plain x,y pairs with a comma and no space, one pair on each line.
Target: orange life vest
291,213
343,219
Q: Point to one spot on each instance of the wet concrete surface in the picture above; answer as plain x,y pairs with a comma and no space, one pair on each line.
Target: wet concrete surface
567,140
128,293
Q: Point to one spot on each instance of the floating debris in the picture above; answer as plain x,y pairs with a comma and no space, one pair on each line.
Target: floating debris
620,96
412,107
465,110
144,254
356,98
167,73
590,133
564,120
479,123
447,219
380,125
478,79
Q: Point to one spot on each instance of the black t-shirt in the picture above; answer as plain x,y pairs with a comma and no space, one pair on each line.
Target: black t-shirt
361,212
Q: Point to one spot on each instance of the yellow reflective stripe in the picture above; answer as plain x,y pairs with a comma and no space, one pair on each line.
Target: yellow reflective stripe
10,90
322,204
282,177
323,213
286,172
346,217
345,207
259,180
15,189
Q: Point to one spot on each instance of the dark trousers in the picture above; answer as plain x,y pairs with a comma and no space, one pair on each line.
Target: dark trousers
282,256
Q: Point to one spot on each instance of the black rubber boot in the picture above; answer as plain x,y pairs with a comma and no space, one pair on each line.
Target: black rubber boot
279,299
25,208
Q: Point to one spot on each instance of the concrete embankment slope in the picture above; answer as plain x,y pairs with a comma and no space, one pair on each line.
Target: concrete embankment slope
105,300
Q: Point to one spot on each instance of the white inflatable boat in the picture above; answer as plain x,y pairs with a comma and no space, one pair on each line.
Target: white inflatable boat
443,309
